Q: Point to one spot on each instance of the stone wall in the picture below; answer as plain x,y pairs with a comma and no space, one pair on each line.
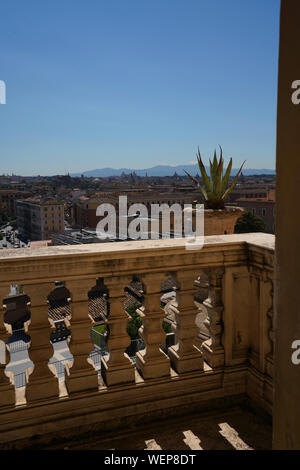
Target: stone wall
73,395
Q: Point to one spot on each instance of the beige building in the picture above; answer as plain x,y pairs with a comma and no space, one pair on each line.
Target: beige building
84,208
8,198
38,219
262,208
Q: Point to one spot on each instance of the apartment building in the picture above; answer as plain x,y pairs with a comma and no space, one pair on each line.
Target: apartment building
8,198
38,219
264,208
84,208
249,192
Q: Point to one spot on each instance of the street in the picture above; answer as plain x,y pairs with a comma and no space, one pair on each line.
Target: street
10,238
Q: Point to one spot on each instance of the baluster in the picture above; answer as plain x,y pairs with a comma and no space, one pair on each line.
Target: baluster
16,321
134,293
201,285
42,384
184,355
262,351
152,362
271,334
98,313
118,368
7,390
212,349
267,335
82,374
59,316
267,328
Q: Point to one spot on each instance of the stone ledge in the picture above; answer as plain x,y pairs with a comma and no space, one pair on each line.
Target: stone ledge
263,240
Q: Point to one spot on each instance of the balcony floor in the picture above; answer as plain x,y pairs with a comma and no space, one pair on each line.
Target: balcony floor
235,428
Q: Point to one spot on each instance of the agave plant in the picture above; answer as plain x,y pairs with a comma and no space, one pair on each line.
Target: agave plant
214,188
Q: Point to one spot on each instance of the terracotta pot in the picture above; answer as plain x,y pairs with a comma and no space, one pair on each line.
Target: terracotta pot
216,221
220,221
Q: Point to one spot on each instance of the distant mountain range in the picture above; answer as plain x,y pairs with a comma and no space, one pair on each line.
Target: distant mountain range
163,170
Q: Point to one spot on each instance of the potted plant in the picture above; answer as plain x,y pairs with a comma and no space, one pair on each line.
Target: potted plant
218,218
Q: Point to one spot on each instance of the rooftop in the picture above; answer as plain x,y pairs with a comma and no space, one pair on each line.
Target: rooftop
40,201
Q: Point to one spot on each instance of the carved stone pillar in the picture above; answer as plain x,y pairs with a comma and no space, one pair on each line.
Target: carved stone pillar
213,350
42,383
7,390
201,294
83,376
118,368
267,338
267,333
270,356
152,362
16,322
185,356
262,354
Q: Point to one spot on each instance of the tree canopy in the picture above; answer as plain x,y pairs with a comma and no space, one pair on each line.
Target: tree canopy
249,223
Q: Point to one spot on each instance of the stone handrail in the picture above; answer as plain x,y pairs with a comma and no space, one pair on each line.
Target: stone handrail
236,359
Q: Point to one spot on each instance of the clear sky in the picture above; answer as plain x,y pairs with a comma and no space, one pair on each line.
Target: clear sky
136,83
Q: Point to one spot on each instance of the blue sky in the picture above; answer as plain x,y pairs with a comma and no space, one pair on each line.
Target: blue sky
136,83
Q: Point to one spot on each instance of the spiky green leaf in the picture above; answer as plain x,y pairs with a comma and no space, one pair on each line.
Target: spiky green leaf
206,181
213,173
198,184
219,176
214,190
226,176
228,191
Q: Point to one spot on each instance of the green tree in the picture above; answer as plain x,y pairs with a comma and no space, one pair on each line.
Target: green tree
249,223
1,236
133,326
132,309
134,323
167,327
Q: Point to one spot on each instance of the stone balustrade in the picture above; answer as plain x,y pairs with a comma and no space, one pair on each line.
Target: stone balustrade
81,388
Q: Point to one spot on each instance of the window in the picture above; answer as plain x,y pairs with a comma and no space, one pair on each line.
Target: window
253,210
263,211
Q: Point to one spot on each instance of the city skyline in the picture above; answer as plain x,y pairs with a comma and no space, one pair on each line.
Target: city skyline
137,85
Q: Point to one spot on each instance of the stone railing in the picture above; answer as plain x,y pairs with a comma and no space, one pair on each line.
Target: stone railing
56,380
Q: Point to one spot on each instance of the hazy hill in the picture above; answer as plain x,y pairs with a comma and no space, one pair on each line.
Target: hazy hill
163,170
